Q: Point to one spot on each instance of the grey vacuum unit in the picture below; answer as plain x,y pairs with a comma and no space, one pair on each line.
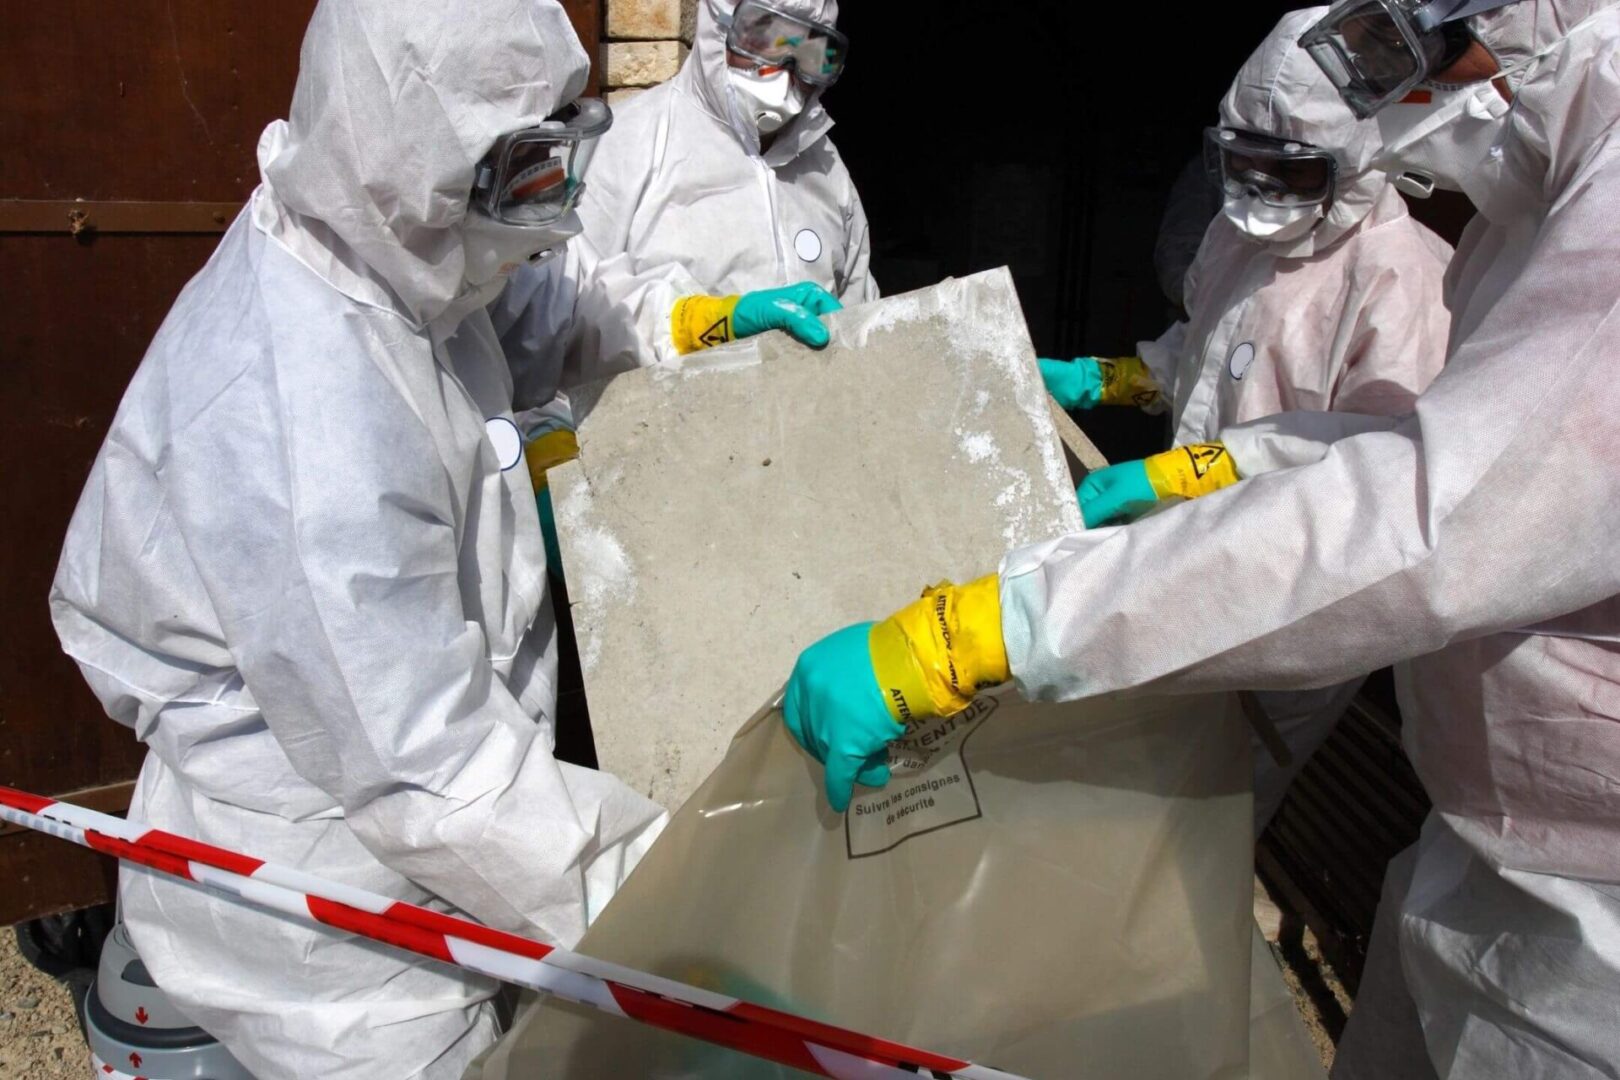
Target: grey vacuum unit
132,1026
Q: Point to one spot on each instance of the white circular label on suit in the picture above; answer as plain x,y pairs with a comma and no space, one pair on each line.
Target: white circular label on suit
506,439
808,245
1242,357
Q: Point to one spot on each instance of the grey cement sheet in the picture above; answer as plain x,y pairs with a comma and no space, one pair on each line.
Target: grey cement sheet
727,512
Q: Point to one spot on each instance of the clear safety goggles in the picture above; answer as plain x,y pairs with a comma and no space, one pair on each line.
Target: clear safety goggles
1282,172
1375,52
773,38
536,176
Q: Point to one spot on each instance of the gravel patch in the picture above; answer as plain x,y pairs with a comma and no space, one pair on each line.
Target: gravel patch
39,1034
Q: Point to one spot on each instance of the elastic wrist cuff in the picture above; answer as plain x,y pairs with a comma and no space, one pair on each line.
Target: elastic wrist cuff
701,322
899,677
548,451
1127,381
932,656
1191,471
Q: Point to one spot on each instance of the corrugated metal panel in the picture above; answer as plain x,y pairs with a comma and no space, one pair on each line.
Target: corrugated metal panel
1355,805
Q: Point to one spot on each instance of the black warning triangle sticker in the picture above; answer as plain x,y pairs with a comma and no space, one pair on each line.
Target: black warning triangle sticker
717,334
1204,456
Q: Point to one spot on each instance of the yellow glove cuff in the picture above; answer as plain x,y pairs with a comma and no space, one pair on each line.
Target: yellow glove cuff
701,322
549,450
1191,471
933,655
1127,381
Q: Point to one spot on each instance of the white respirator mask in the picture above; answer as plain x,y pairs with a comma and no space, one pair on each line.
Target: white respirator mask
492,251
1439,143
770,101
1261,221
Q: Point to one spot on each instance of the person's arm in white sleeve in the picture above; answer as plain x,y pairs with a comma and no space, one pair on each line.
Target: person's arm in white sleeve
859,286
1292,439
623,312
1494,506
338,576
1163,357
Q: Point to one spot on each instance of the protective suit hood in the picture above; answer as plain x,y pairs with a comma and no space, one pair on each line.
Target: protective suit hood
1517,32
1280,91
705,76
367,181
1567,95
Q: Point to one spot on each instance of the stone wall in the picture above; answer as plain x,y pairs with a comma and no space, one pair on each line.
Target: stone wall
644,42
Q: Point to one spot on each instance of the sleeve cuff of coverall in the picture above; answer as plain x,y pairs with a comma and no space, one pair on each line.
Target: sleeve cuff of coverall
1038,675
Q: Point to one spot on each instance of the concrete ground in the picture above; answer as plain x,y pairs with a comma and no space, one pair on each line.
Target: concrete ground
40,1040
39,1034
1321,998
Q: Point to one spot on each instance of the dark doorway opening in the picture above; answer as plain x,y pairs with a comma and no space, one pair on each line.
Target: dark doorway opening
1042,135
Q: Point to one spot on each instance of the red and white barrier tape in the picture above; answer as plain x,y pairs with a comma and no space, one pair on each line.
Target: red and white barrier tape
816,1048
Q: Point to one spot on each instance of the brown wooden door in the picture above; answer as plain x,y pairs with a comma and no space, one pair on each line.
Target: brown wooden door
149,114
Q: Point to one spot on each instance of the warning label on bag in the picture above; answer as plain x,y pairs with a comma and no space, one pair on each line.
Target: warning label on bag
930,787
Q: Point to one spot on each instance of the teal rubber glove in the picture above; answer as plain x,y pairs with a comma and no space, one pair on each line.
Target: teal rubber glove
835,712
793,308
1074,384
548,533
1115,494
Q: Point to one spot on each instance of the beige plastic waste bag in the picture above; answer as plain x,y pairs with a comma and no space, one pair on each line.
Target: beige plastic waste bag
1279,1046
1050,890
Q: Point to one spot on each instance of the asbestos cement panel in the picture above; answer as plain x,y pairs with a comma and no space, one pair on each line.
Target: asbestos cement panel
727,512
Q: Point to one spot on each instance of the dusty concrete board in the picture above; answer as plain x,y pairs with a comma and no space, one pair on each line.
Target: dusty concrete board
724,514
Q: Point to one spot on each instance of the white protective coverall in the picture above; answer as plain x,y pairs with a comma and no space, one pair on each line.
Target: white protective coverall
1351,318
1476,536
307,569
681,200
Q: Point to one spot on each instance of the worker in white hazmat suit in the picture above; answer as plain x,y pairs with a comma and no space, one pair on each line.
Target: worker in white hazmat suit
1474,540
717,197
1314,289
307,570
718,208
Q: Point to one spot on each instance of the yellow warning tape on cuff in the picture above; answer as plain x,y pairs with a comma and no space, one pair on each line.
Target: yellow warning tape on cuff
548,451
701,322
1191,471
933,655
1127,381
